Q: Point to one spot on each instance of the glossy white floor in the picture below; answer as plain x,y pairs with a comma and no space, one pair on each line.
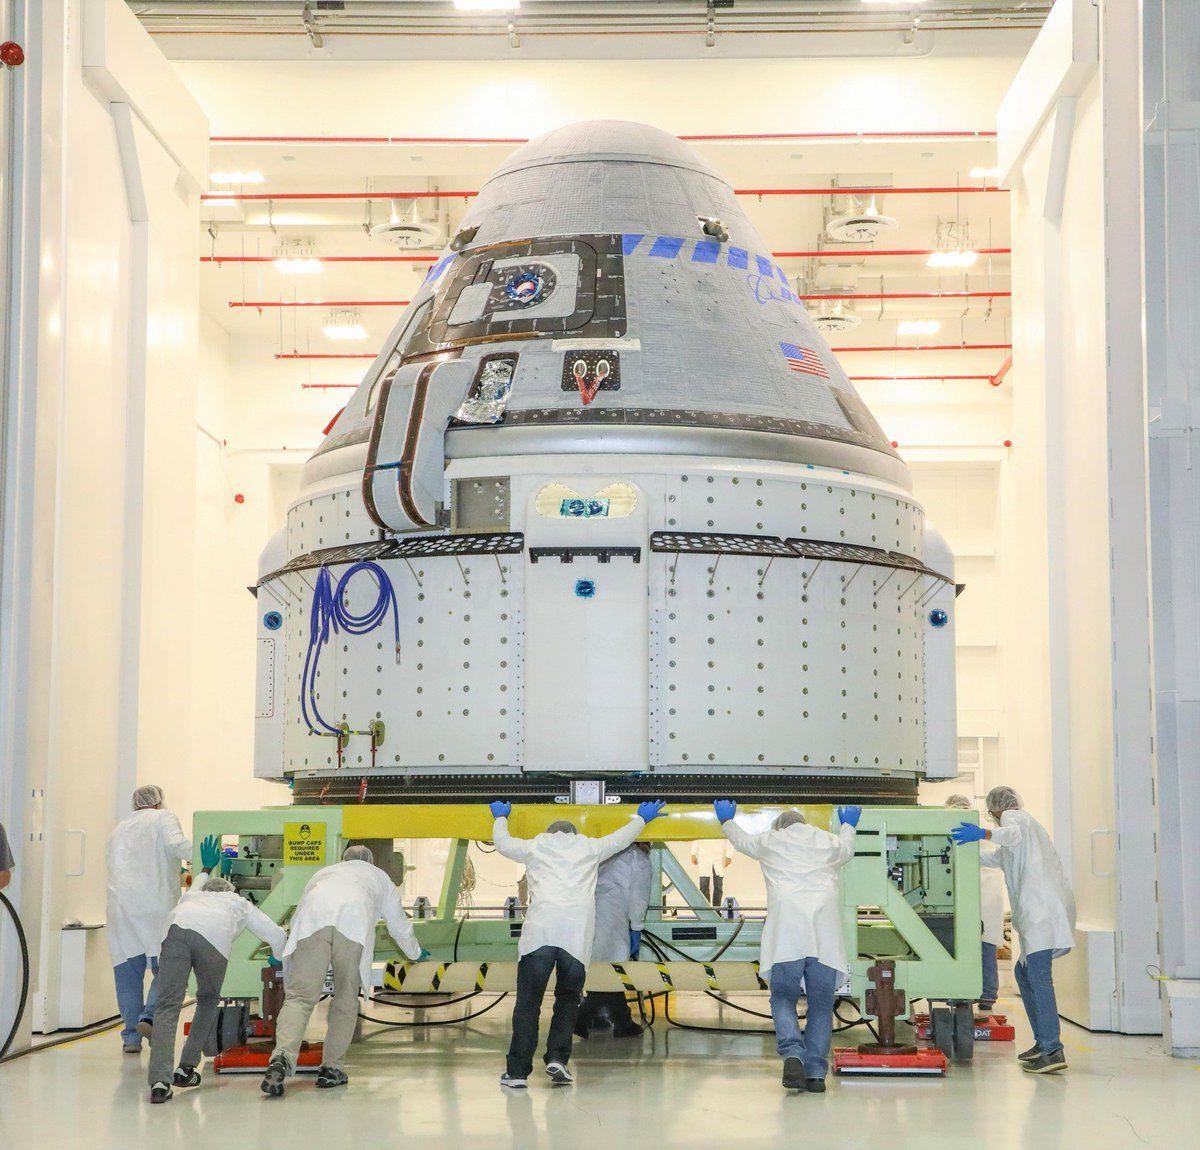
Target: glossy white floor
437,1087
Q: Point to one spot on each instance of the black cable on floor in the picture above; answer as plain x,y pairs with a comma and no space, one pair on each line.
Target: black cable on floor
24,995
436,1021
382,1001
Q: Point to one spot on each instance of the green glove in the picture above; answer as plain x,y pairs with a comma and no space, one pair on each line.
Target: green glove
210,852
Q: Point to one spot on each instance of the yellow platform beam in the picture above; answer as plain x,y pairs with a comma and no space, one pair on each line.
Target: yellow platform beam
681,823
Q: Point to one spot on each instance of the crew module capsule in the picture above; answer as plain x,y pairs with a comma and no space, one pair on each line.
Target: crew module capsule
606,508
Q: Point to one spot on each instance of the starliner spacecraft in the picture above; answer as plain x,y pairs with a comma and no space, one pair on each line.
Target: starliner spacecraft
605,511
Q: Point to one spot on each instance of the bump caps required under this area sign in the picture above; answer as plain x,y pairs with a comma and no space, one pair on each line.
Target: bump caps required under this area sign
303,844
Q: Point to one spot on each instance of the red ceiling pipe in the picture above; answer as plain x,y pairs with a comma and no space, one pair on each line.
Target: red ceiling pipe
322,259
906,378
720,137
815,253
842,253
940,190
997,379
325,355
908,295
933,347
259,304
326,387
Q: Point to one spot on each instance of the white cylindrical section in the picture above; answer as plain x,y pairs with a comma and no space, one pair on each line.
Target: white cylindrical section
941,699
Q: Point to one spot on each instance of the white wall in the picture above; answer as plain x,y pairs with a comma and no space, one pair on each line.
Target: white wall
100,465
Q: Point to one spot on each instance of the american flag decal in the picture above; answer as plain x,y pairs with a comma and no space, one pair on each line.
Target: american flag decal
803,360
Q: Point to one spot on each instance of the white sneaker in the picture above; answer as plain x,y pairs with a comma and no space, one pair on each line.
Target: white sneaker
512,1083
559,1074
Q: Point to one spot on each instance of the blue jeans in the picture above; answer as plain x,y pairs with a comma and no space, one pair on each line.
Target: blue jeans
130,978
991,974
789,980
1036,983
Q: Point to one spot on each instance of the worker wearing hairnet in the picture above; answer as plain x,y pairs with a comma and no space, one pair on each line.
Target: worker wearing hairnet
622,899
557,936
200,935
334,926
991,911
803,951
143,856
1043,914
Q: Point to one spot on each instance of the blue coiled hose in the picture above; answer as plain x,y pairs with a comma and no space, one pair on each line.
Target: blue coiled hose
329,616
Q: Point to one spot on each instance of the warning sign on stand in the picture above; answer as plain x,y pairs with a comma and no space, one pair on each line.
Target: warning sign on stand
303,844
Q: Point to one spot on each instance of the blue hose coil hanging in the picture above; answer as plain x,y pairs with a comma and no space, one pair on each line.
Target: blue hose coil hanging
329,616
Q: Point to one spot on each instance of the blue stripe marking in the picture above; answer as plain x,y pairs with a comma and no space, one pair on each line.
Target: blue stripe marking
666,247
437,269
781,273
738,257
706,252
629,242
764,266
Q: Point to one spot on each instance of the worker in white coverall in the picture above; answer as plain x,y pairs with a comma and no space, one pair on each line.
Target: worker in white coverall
334,926
1043,915
561,866
622,899
143,856
991,912
201,932
803,950
711,858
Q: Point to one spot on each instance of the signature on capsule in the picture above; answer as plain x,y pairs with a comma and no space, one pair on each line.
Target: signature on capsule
767,288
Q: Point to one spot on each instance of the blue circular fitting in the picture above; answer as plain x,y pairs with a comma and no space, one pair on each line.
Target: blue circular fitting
272,620
574,508
585,588
938,617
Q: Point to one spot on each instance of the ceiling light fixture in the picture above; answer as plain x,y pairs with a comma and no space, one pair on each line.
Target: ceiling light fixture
487,5
952,258
344,325
236,178
918,327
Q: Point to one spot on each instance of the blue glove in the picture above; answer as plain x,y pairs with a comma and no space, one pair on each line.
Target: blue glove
849,816
227,857
423,955
274,963
500,809
635,943
649,811
968,833
210,852
726,809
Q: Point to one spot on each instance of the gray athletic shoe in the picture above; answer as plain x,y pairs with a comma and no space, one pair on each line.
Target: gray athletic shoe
272,1080
160,1092
1046,1063
330,1076
513,1082
559,1074
1034,1052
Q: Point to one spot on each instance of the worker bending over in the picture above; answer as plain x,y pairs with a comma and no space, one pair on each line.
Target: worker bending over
622,899
561,866
334,926
143,856
803,951
991,913
202,929
1043,914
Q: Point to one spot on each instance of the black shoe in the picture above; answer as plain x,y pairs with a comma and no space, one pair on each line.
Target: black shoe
1046,1063
628,1029
186,1077
1030,1055
513,1082
986,1007
272,1080
330,1076
815,1085
160,1092
793,1074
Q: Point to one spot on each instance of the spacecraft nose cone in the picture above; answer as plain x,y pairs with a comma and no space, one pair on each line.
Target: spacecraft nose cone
609,141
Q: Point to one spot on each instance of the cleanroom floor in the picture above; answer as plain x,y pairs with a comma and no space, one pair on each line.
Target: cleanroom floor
437,1087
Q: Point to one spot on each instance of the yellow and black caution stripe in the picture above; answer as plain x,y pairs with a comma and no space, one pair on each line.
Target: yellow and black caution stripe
430,977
